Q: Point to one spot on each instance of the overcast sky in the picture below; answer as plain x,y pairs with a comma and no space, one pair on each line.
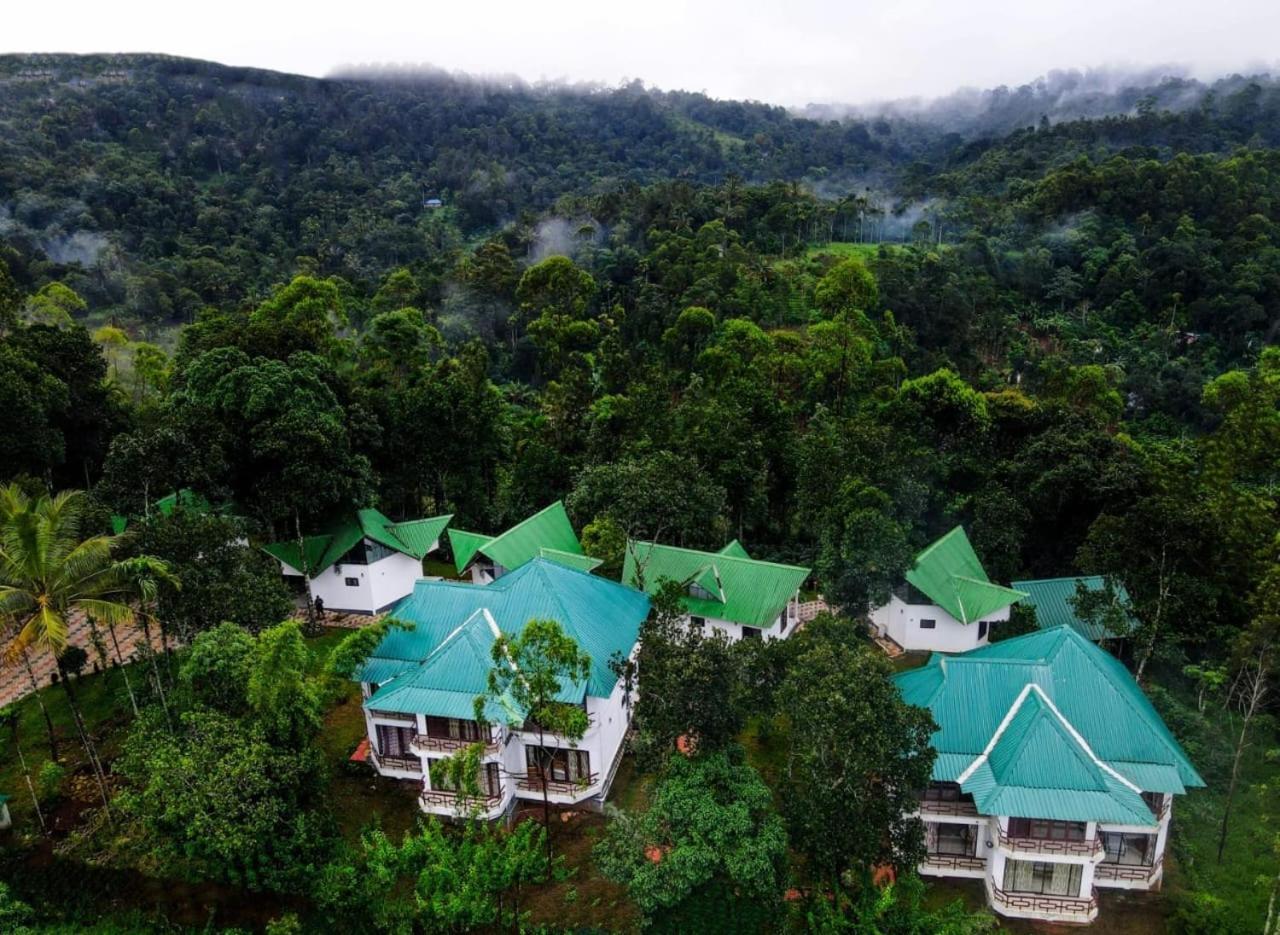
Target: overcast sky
786,51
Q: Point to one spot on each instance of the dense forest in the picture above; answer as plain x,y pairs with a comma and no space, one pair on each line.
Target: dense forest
832,339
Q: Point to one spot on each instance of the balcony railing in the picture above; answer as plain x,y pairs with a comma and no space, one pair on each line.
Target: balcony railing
1127,873
442,798
533,782
953,808
954,862
1043,904
1051,847
430,744
410,763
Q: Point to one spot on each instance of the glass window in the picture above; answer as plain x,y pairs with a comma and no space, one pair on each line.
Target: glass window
394,741
951,838
1132,850
1042,877
1044,830
698,591
927,624
351,582
982,629
697,622
750,633
943,792
488,779
562,765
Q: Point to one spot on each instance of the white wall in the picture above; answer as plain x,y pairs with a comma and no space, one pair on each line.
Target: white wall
781,628
379,585
900,621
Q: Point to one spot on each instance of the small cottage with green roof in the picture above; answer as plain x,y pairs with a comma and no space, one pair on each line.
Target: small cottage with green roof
947,603
421,683
546,534
1054,776
726,592
362,562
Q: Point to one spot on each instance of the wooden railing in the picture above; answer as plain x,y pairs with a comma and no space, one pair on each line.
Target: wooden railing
432,744
1041,903
956,809
444,799
533,782
411,763
954,862
1127,873
1091,847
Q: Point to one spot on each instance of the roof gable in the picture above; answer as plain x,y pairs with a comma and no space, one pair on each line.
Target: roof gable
414,538
741,589
950,574
549,529
1052,600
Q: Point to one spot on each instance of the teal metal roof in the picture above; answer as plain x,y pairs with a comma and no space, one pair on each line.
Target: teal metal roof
972,695
950,574
1052,599
742,589
602,616
547,529
412,537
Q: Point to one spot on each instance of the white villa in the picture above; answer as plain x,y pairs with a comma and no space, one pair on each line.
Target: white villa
363,563
1054,776
948,603
546,534
726,592
420,687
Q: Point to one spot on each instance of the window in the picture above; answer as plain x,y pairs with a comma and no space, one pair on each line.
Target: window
1132,850
951,838
928,624
1155,802
489,781
697,622
562,765
1046,879
751,633
1044,830
394,741
351,582
452,728
698,591
982,629
945,792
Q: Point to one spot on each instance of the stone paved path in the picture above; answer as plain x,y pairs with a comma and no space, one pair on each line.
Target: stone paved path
14,683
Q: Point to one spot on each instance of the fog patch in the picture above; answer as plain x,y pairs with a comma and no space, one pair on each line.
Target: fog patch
81,247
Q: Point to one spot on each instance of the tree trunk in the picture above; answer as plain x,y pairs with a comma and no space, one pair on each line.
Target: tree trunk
546,792
124,669
48,721
1162,596
87,741
155,669
26,774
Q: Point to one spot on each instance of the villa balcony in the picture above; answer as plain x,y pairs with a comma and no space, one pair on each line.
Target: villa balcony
558,790
406,763
1040,906
442,800
1049,847
450,745
950,809
1134,876
944,864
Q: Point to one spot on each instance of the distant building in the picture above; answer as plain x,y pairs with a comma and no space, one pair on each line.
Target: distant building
546,534
1052,600
947,603
727,591
186,498
1054,775
432,203
363,562
420,687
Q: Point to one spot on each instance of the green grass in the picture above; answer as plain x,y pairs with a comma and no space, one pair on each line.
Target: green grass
863,251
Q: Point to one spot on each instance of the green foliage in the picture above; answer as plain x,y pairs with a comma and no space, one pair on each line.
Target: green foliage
847,287
709,831
49,781
215,672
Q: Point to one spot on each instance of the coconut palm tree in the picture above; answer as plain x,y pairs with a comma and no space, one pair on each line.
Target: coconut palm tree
48,572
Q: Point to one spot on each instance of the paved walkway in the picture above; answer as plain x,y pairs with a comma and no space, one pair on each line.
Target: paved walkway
14,683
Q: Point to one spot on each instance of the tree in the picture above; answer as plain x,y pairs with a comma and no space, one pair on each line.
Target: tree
846,287
688,684
856,756
709,845
48,572
532,671
55,305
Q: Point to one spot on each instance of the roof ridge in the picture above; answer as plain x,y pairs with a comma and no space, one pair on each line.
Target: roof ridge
1056,578
959,527
716,556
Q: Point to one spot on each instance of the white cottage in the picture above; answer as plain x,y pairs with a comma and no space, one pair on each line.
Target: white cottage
363,563
948,604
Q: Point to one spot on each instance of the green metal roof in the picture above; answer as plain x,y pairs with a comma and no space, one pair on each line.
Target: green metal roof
571,560
413,537
185,497
975,700
602,616
949,573
1052,599
549,528
743,590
